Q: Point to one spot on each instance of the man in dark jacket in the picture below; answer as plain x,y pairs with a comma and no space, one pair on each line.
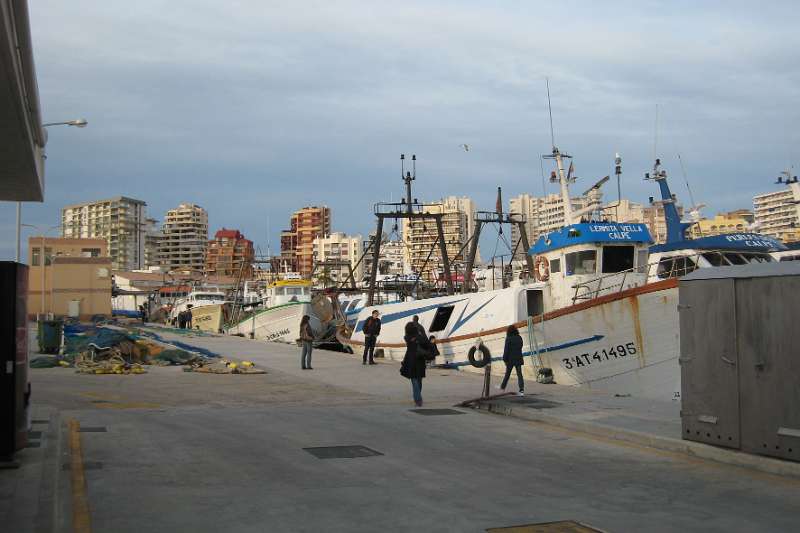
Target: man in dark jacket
372,328
512,357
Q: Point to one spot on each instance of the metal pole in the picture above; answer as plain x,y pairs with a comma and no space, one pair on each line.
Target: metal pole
473,250
445,260
376,254
523,236
19,230
43,260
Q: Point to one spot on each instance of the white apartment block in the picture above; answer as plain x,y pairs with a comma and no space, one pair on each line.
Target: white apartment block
777,214
392,260
543,214
121,221
184,238
338,247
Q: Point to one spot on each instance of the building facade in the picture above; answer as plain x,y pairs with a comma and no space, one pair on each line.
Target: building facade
69,277
392,260
184,239
543,214
121,221
341,253
777,214
731,222
297,242
421,249
230,254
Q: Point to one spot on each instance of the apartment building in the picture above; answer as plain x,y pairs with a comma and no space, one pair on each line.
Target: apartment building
731,222
230,254
342,253
297,242
184,238
777,214
542,214
121,221
392,259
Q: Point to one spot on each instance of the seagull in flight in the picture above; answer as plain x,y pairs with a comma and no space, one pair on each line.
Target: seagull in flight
465,147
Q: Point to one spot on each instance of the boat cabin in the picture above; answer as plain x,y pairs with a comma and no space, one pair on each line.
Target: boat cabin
585,260
287,291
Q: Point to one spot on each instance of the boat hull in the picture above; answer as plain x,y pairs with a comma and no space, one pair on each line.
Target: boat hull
626,343
210,318
276,324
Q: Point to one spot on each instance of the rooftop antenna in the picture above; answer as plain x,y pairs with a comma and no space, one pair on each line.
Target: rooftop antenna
550,110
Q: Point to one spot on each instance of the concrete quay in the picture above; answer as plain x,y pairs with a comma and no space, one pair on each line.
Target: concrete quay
177,451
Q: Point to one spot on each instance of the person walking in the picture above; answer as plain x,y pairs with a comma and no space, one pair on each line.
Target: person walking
142,313
189,316
307,340
420,327
512,357
413,365
372,328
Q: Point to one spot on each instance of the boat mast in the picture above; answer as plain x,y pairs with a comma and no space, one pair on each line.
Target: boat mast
563,180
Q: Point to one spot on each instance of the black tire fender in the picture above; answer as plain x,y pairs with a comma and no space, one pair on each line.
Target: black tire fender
485,359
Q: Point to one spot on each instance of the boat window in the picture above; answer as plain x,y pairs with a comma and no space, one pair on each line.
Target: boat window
535,302
715,258
790,258
756,258
584,262
353,304
441,318
735,259
675,267
617,258
555,266
294,290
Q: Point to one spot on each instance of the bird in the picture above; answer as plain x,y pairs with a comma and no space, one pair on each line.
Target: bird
465,147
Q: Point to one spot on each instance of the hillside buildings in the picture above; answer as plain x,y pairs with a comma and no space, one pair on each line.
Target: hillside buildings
230,254
184,239
777,214
297,242
120,221
335,255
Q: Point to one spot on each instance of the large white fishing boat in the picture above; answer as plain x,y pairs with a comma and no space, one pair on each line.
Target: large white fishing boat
209,309
598,312
278,318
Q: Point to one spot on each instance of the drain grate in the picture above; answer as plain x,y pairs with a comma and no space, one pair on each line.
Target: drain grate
100,401
34,434
96,429
342,452
40,421
436,412
533,403
87,465
564,526
34,444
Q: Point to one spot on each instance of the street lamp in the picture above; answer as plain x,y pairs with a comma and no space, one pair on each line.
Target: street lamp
78,123
42,257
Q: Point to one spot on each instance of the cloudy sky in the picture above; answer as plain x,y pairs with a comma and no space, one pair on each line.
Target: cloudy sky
255,108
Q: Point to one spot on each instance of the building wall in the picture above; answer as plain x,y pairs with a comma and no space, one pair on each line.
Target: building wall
121,221
543,214
297,243
230,254
185,238
419,237
777,214
392,260
733,222
339,247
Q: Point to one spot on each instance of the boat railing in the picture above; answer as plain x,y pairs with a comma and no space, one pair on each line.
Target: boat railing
615,282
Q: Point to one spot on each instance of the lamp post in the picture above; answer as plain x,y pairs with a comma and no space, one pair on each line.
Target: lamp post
78,123
42,258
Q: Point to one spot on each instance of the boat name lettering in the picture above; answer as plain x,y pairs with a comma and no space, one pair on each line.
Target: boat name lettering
606,354
749,239
277,334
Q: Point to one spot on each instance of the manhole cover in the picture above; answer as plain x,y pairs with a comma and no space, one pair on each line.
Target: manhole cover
436,412
98,429
341,452
87,465
565,526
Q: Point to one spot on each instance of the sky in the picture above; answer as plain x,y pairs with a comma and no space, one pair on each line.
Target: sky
253,109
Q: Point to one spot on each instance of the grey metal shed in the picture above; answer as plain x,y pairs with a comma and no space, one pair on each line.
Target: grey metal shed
740,357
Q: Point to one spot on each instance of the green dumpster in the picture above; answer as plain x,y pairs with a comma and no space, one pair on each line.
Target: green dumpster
49,335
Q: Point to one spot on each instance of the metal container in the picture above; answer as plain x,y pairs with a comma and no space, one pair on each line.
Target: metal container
49,335
740,370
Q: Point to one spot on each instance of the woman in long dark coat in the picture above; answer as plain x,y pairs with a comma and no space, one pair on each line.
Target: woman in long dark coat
413,365
512,357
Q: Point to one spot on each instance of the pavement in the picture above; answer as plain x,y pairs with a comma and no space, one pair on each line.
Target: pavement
176,451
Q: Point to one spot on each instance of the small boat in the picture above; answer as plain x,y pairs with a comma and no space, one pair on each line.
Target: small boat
278,317
210,310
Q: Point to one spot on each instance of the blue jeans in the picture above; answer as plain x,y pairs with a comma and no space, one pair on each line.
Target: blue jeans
520,381
416,389
305,357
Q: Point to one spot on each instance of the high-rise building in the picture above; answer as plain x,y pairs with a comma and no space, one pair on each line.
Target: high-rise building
230,254
543,214
420,237
185,238
342,253
152,240
392,260
777,214
732,222
297,242
121,221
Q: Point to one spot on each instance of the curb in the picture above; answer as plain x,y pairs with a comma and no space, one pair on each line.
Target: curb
685,447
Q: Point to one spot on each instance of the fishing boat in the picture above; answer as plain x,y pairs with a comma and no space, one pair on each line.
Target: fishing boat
210,309
597,312
278,317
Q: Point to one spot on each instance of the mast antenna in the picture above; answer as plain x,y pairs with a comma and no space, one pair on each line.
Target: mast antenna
550,111
686,180
655,136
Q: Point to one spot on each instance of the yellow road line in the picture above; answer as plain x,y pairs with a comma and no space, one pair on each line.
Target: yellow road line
81,522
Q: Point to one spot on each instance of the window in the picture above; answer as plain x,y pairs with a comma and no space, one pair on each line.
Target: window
675,267
48,256
535,302
90,252
617,258
441,318
35,256
715,259
584,262
555,266
735,259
